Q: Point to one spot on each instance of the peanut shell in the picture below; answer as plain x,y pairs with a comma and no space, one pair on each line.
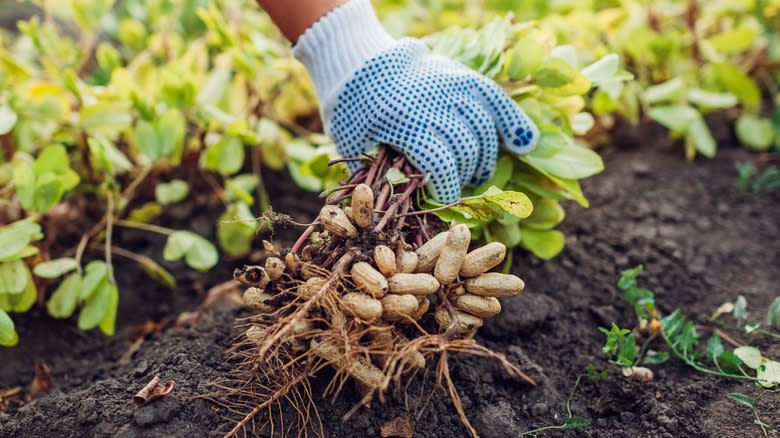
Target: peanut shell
452,255
361,305
483,307
336,222
369,280
483,259
416,284
363,205
495,284
384,258
429,252
398,307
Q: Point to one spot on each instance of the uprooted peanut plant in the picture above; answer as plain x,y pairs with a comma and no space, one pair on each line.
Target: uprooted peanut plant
374,288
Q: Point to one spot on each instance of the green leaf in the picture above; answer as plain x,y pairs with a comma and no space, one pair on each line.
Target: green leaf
734,41
8,119
63,301
24,301
111,159
96,307
55,268
89,13
24,181
157,272
742,399
574,423
754,132
708,99
8,336
215,87
508,234
48,192
198,252
751,356
146,140
670,90
395,176
547,214
526,58
571,162
95,273
627,352
544,244
769,374
13,277
515,203
52,158
653,357
106,118
554,73
14,238
602,69
714,347
237,226
225,156
171,192
108,323
702,137
674,117
737,82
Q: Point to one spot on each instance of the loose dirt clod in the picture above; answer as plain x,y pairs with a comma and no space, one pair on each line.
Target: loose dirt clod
355,294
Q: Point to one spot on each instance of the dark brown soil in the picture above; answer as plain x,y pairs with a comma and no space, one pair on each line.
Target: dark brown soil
702,243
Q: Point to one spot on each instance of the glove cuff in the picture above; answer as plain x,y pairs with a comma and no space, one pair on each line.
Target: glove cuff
335,47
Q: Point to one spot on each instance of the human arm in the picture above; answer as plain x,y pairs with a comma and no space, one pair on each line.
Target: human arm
373,89
293,17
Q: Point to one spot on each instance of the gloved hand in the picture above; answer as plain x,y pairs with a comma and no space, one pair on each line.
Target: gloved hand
441,114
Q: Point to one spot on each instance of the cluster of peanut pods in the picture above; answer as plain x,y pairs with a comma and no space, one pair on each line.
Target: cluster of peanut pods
391,283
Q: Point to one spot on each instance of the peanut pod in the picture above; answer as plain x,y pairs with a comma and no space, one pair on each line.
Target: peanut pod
336,222
384,258
467,324
293,262
363,205
361,305
274,267
406,261
391,341
360,368
256,334
251,276
429,253
310,270
311,287
416,284
483,259
256,298
369,280
398,307
494,284
483,307
452,255
424,304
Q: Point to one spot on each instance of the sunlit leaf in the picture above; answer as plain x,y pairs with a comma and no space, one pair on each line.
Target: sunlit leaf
171,192
514,203
95,273
526,58
8,336
555,72
710,99
8,119
96,307
769,373
13,277
55,268
751,356
571,161
108,324
602,69
544,244
237,226
15,237
670,90
754,132
63,301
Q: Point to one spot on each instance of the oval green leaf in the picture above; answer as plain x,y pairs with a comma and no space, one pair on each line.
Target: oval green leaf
171,192
96,308
55,268
63,301
515,203
13,277
8,336
751,356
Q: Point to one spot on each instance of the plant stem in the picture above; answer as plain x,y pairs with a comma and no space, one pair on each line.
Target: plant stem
262,193
394,206
109,234
146,227
454,204
299,243
128,194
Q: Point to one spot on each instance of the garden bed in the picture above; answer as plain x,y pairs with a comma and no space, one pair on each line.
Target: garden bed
701,242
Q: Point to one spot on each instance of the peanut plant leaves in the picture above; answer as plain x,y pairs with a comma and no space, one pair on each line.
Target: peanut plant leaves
769,374
13,277
96,307
515,203
55,268
8,336
63,301
14,238
751,356
171,192
198,252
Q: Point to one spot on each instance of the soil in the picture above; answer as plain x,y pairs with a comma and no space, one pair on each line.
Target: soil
701,242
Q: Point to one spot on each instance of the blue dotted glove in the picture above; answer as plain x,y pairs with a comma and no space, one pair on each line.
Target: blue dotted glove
444,116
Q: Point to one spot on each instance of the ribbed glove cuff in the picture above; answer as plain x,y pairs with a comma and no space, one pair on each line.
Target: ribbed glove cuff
337,45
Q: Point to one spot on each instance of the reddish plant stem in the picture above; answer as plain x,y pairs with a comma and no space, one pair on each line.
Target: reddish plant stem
382,198
302,239
410,188
400,223
373,169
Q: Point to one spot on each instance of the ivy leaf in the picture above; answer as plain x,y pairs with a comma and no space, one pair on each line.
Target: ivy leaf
714,347
63,301
742,399
171,192
769,374
8,336
515,203
55,268
751,356
574,423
